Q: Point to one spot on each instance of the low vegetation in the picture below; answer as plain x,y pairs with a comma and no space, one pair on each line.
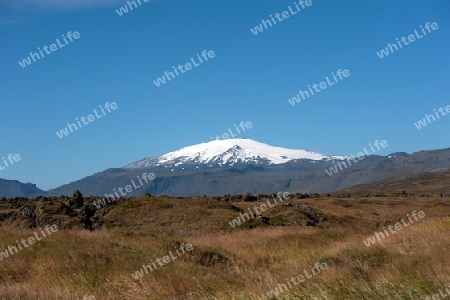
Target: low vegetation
244,262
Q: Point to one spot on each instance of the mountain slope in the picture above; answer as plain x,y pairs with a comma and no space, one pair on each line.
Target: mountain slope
425,182
229,153
14,188
298,175
239,166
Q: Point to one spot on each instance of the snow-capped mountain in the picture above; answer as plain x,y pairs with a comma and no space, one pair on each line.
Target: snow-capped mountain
239,166
229,152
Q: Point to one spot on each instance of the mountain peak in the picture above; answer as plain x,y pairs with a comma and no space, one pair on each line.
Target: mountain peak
229,153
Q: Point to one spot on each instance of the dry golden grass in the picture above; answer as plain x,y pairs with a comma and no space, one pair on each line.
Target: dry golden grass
229,263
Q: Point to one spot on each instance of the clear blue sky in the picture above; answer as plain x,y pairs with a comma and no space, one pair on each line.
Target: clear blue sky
250,79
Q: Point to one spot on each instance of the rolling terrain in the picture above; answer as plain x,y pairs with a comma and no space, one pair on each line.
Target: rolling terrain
14,188
239,166
249,261
426,182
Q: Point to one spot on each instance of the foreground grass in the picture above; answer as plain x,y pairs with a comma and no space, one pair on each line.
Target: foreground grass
229,263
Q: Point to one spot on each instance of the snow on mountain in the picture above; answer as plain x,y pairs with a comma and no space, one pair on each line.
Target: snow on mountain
230,152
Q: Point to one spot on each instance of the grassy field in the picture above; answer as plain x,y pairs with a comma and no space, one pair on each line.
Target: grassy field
236,263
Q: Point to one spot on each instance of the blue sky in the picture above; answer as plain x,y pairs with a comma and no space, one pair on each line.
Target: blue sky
250,78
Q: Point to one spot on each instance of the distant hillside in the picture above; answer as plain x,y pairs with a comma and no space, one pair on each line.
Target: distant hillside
14,188
297,176
426,182
241,166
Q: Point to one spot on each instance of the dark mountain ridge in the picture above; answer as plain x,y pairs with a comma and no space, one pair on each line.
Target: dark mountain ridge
299,175
14,188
